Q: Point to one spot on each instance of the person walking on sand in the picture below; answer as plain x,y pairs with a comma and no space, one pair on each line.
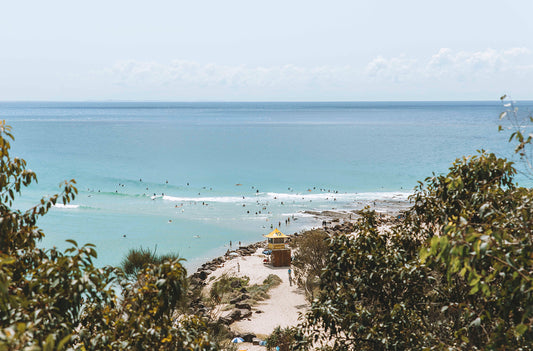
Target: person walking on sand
290,278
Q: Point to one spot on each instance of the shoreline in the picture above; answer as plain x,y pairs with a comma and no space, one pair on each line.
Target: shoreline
331,217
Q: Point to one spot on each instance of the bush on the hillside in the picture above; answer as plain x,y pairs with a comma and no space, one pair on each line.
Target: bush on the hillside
52,300
455,274
227,287
223,288
310,256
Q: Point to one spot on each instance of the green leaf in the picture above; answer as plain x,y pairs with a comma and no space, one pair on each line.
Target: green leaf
49,344
474,280
72,242
63,342
521,329
473,290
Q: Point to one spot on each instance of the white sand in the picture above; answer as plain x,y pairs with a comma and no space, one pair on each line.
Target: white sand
283,308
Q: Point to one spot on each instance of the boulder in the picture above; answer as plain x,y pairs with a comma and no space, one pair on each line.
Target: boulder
239,298
236,314
244,306
248,337
236,300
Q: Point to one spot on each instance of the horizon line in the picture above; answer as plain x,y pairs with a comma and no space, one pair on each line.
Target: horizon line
245,101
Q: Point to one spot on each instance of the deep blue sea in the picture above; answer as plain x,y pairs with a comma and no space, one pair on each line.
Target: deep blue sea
190,177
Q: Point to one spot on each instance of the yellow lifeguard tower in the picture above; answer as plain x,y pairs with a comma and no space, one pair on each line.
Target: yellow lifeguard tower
281,254
276,240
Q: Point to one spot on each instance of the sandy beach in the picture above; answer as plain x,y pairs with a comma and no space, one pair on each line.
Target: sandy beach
283,308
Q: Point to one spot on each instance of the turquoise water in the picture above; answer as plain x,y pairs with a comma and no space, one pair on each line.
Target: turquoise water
190,177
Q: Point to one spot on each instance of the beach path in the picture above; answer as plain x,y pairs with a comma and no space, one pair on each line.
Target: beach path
283,307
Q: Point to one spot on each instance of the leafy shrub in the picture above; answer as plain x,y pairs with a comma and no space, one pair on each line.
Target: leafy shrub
222,289
310,257
282,338
138,259
455,274
52,300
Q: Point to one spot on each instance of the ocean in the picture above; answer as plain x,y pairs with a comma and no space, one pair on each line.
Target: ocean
189,178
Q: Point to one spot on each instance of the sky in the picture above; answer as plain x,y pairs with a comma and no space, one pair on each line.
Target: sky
290,50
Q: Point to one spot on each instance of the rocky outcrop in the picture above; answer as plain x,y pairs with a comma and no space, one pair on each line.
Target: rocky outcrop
203,272
239,298
234,315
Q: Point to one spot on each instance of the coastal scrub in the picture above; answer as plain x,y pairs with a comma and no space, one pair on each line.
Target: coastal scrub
456,273
53,300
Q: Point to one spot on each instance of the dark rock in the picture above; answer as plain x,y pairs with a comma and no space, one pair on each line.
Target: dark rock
203,275
243,306
236,300
248,337
239,299
243,290
236,314
235,284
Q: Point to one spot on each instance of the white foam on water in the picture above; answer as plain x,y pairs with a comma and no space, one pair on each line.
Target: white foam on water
68,206
401,196
297,214
225,199
272,197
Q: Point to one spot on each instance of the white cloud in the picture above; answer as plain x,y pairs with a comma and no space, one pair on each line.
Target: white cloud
517,51
180,72
448,64
446,74
395,69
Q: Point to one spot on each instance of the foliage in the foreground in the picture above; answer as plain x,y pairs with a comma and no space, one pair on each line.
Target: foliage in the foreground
138,259
455,274
52,300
